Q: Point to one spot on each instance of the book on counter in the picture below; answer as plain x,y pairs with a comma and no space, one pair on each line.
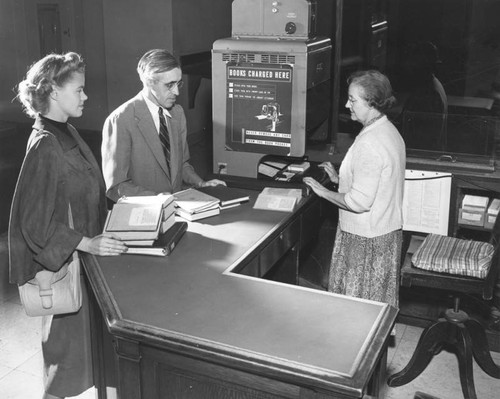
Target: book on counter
164,226
168,216
164,244
140,219
278,199
166,199
194,201
192,216
228,196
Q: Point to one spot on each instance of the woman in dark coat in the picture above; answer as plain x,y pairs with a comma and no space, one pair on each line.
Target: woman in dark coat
59,174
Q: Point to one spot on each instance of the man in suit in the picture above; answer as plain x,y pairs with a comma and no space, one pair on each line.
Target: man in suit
144,145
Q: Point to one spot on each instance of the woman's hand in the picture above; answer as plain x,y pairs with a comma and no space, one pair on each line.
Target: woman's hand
317,187
331,172
321,191
102,245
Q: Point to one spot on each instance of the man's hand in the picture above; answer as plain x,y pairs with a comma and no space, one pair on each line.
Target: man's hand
213,182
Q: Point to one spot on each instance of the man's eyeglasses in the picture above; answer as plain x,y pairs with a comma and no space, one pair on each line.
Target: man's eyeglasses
172,85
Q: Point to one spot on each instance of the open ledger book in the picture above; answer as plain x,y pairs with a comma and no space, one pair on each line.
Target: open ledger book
139,220
278,199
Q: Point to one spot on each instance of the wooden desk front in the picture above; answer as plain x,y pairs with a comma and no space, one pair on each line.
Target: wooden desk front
186,326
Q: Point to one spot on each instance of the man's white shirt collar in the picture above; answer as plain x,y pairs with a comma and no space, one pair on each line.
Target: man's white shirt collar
153,108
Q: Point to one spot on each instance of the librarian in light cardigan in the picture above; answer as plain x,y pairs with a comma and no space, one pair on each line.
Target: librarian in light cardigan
367,250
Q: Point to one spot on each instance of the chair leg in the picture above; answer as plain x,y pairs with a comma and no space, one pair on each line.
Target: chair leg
431,339
463,344
480,348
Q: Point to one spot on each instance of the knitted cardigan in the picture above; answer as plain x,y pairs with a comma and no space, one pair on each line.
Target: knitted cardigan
372,178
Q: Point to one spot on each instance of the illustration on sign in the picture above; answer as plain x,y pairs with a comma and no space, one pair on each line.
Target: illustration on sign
259,103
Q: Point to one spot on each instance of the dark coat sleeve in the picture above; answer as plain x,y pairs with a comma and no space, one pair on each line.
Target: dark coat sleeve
39,233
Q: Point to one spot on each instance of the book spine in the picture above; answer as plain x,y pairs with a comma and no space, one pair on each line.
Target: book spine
175,239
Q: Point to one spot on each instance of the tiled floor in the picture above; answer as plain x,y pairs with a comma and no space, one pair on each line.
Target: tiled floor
20,352
20,360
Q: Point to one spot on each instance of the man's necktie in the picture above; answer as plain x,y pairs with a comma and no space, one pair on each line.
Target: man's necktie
165,140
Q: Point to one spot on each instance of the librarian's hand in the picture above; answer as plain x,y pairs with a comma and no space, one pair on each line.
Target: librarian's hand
317,187
213,182
102,245
330,170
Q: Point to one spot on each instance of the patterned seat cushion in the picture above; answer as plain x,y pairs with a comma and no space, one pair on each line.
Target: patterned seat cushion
454,256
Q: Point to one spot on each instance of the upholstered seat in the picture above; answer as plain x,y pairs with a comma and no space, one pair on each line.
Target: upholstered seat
467,267
452,255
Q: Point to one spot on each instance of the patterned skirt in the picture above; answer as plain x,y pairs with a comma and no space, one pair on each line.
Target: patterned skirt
367,268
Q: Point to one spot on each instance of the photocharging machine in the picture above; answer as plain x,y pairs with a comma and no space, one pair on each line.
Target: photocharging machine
271,85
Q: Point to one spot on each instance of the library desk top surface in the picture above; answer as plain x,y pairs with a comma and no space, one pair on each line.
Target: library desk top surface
190,301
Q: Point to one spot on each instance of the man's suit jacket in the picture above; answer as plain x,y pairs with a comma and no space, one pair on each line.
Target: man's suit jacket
133,162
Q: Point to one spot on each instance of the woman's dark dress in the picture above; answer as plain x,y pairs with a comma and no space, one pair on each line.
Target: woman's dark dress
59,169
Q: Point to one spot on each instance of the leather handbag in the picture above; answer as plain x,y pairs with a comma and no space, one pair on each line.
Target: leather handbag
52,293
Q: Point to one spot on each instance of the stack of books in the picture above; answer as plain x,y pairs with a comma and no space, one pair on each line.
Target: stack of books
168,207
146,224
164,244
192,204
229,197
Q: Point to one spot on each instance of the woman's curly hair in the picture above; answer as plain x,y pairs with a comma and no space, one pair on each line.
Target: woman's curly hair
376,87
52,70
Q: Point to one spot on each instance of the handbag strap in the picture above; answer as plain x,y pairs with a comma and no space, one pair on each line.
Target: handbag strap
70,217
72,226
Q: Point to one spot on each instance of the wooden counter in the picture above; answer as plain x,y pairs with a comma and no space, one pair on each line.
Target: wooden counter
189,326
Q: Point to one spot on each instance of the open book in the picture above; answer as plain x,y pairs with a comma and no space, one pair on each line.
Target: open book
278,199
140,219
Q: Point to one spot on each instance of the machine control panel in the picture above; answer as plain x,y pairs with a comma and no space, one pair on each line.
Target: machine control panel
291,19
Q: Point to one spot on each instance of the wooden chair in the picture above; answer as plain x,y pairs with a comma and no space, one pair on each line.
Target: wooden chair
456,328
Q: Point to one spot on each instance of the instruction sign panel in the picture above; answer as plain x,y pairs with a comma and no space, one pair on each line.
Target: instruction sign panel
258,108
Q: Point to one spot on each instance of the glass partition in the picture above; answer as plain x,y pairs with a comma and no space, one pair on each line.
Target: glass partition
443,60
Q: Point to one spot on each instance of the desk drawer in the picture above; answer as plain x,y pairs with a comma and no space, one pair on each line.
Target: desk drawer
279,246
